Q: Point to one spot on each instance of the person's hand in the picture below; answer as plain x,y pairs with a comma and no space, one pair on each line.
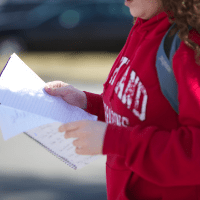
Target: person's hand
68,93
89,134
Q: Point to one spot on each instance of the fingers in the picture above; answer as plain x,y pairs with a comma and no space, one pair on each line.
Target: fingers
83,151
81,147
88,136
78,144
55,84
56,88
57,91
69,129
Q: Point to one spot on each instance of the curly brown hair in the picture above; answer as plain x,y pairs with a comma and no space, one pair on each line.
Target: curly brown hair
184,13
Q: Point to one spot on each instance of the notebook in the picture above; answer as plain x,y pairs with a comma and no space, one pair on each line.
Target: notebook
26,108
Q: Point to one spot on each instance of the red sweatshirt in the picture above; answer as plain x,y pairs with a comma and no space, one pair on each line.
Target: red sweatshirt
152,152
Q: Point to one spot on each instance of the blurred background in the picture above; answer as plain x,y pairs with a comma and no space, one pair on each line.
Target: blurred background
76,41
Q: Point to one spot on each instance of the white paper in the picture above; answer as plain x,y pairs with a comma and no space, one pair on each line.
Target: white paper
26,107
22,89
49,136
14,121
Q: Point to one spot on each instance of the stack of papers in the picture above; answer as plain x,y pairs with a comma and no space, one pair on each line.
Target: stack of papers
26,107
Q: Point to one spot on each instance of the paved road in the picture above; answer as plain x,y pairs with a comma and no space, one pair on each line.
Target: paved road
29,172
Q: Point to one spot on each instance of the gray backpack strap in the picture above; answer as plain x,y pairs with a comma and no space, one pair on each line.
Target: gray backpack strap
164,67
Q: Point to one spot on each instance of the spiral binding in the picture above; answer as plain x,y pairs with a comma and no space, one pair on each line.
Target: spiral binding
52,152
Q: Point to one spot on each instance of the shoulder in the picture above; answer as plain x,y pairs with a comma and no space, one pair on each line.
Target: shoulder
184,50
194,36
184,62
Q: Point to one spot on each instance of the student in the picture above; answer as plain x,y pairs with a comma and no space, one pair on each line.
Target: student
153,153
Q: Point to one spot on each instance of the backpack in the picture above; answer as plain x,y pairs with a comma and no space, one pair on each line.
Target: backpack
164,67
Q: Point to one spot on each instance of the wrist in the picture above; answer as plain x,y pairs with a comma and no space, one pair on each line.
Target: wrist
84,101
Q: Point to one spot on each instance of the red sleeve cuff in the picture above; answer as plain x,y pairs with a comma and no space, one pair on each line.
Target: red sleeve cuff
116,140
95,105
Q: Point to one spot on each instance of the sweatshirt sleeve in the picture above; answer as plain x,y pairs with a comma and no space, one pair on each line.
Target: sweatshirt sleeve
95,105
166,158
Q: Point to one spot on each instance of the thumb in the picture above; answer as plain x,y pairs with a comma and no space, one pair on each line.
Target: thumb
61,91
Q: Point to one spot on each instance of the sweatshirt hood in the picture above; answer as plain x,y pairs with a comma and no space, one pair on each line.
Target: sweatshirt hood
153,26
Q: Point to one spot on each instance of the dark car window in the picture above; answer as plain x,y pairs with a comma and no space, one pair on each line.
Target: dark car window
59,24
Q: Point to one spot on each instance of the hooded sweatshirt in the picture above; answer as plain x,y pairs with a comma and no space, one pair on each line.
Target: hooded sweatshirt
153,153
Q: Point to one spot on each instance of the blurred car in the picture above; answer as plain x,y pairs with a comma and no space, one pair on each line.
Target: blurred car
63,25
